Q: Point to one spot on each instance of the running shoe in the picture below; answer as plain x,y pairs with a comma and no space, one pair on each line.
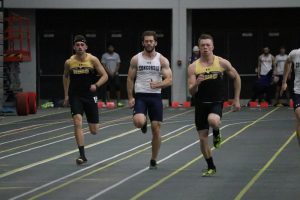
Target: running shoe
209,172
153,164
217,140
80,161
144,128
120,104
278,105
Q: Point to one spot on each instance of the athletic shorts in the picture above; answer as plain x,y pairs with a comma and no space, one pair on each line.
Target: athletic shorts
202,110
85,104
113,83
279,82
149,103
296,100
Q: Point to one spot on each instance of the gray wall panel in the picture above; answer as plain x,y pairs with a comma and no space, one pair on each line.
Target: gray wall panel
194,4
91,4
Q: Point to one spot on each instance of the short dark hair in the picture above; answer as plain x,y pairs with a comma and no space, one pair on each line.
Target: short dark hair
79,38
205,36
149,33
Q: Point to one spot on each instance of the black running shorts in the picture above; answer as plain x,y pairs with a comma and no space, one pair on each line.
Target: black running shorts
85,104
202,110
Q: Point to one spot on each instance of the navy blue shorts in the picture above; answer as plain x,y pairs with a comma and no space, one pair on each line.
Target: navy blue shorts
202,110
279,82
85,104
149,103
296,100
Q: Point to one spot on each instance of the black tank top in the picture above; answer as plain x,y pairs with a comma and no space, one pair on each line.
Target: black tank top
82,75
212,88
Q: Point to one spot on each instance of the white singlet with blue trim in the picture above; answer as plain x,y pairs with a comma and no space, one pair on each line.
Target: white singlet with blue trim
294,56
265,64
147,71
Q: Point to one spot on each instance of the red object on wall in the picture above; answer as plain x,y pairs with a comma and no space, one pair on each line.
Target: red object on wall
17,36
22,105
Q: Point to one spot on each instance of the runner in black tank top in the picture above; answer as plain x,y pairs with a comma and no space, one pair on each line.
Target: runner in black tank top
205,82
80,86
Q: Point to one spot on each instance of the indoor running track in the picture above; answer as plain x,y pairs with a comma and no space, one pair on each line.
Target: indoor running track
259,158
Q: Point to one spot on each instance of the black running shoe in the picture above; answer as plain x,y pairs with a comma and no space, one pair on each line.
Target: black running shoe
153,164
144,128
80,161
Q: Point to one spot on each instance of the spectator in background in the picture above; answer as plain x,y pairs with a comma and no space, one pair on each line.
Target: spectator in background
266,62
111,62
278,76
261,88
196,54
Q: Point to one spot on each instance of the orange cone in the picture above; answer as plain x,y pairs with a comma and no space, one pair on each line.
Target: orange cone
291,104
264,105
186,104
175,104
226,104
110,105
253,104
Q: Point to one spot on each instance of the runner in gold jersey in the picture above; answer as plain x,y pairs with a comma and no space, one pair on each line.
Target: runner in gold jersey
206,84
80,85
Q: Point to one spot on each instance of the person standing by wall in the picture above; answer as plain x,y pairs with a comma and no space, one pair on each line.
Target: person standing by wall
265,66
278,76
111,62
195,55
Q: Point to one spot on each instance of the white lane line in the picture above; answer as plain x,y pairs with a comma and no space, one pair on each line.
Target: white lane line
27,119
42,133
48,144
139,172
147,168
57,141
91,166
46,115
31,136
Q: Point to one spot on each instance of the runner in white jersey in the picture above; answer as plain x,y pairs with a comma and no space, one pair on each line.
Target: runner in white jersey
151,72
293,57
148,71
278,76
